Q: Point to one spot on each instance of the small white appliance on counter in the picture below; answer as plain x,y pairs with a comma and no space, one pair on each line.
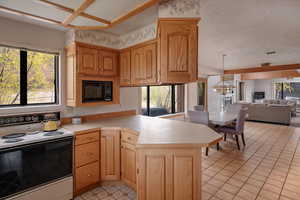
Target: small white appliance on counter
35,165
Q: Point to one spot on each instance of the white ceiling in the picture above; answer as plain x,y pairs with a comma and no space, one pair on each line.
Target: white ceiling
106,9
245,30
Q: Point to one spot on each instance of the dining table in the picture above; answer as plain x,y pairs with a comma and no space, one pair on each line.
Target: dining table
222,118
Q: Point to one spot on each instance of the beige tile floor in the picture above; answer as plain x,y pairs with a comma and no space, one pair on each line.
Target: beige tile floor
267,168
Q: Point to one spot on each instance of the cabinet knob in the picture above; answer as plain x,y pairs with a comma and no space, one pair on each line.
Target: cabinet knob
128,138
88,175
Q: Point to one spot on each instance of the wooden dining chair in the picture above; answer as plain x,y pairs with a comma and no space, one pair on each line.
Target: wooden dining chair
237,129
201,117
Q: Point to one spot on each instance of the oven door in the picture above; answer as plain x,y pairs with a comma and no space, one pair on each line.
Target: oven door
28,166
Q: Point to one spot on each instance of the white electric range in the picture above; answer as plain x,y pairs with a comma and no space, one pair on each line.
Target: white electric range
34,164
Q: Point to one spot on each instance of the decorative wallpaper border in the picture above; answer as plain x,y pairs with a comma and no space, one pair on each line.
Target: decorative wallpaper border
179,8
167,8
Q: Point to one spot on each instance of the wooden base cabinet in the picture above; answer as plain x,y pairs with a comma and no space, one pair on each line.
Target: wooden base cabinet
169,174
128,157
86,160
110,154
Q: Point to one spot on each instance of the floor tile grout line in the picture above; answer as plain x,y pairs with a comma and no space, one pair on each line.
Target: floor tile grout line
284,182
242,164
261,146
257,165
273,165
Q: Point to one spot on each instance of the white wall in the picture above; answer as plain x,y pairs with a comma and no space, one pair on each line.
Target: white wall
249,90
31,36
264,86
213,98
191,96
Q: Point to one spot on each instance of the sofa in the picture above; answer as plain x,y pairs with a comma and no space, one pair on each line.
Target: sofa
273,113
291,103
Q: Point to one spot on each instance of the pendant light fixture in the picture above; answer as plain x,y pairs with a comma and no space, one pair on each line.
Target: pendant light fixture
223,87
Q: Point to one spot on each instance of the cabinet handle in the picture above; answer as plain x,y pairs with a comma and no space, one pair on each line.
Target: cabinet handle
128,138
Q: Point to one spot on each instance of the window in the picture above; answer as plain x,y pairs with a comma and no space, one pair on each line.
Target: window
287,90
162,100
27,77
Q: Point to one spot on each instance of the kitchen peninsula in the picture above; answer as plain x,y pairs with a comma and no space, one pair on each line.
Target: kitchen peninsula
160,158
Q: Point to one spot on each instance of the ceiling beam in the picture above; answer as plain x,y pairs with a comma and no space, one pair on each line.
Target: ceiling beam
70,10
270,75
135,11
77,12
263,69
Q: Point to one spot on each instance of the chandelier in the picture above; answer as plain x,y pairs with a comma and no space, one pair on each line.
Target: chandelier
223,87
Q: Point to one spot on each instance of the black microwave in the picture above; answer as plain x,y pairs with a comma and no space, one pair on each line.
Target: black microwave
96,91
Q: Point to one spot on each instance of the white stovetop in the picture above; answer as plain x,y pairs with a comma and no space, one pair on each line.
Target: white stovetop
32,138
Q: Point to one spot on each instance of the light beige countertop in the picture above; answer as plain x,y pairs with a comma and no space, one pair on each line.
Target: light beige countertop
157,131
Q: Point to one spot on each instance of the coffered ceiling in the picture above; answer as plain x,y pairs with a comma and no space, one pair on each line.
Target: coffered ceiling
81,14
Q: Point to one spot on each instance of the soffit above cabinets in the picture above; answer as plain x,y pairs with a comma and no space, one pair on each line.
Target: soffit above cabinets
79,14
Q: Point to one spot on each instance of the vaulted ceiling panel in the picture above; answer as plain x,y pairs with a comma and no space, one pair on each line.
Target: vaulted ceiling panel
82,21
111,9
30,6
68,3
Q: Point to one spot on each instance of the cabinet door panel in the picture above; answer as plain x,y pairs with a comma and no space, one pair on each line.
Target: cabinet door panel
178,52
169,174
128,164
125,68
108,63
138,69
144,65
88,61
150,63
183,181
87,175
110,155
86,153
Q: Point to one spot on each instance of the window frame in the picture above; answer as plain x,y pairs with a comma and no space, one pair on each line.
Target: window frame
173,98
23,78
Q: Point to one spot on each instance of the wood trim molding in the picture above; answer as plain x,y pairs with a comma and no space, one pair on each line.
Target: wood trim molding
77,12
70,10
263,69
270,75
140,44
85,118
95,46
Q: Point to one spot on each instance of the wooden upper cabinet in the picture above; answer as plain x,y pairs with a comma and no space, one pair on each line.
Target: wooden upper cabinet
87,61
178,41
144,64
125,68
108,63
